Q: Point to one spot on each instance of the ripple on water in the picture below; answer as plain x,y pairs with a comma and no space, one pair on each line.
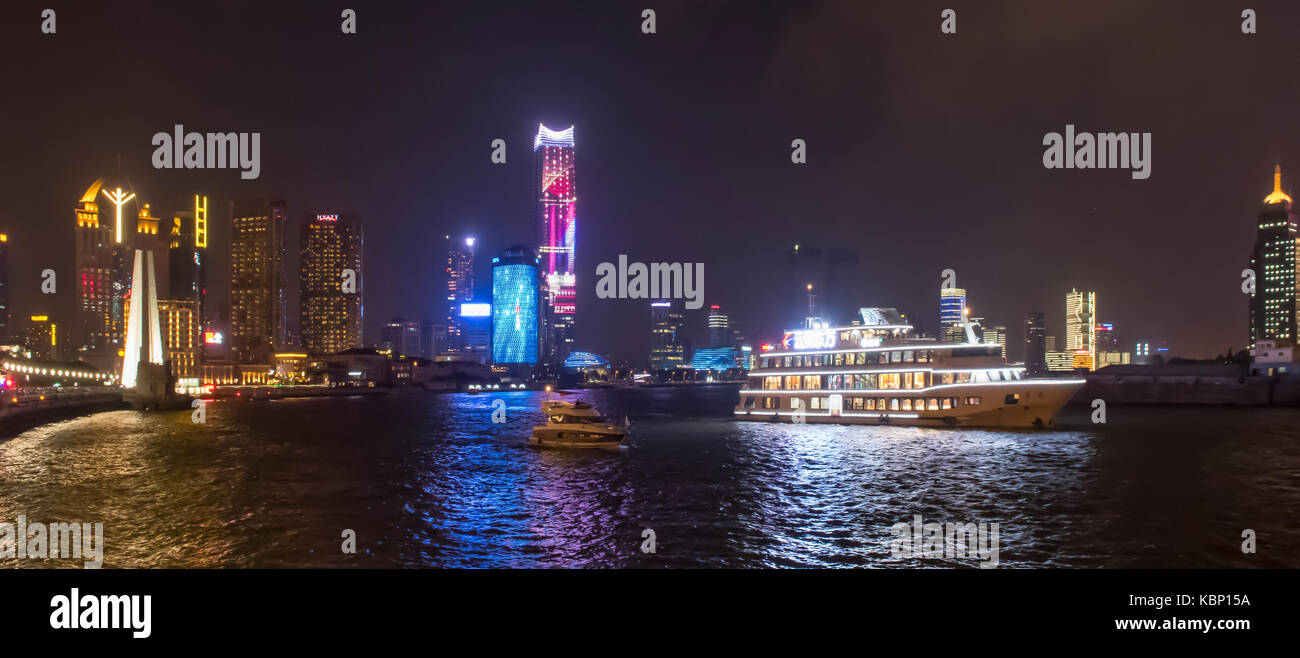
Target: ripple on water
429,480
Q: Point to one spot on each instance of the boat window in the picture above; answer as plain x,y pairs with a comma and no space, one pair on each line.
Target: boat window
963,378
749,402
816,403
860,358
889,380
835,382
995,375
907,356
923,356
918,380
946,378
893,403
947,403
933,404
974,401
792,382
839,358
869,404
772,383
1012,398
980,377
812,382
770,403
907,404
895,357
787,362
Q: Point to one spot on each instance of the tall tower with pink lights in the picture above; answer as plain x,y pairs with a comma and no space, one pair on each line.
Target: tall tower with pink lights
557,201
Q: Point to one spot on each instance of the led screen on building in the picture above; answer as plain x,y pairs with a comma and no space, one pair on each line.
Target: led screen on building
514,314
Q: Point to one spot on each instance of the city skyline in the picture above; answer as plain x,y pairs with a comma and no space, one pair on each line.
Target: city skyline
903,289
715,151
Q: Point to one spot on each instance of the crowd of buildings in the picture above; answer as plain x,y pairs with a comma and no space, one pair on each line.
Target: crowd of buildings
527,327
119,240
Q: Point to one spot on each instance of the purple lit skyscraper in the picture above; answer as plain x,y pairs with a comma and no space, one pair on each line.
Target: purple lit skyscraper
557,202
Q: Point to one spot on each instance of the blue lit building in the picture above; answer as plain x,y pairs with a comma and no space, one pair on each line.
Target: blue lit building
714,358
952,315
515,292
584,368
476,328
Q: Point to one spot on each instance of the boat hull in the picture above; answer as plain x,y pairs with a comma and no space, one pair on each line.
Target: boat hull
576,436
1036,405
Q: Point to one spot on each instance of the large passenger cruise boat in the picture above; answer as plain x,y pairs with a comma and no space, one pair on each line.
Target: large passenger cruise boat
876,372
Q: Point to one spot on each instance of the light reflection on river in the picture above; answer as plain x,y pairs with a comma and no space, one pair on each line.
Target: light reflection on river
429,481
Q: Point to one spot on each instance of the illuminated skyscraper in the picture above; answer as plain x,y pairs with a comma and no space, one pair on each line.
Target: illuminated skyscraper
257,301
1273,304
403,338
181,343
460,288
996,336
557,225
719,327
187,256
667,350
42,338
515,304
952,310
331,301
101,275
5,312
1081,328
1036,343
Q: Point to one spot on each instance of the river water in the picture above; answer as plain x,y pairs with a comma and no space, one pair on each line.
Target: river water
428,480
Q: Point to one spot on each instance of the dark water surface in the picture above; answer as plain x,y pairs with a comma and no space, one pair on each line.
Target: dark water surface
429,481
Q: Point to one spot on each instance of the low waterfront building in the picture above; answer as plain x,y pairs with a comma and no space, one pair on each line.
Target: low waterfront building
718,359
219,373
1269,358
293,367
357,367
587,367
1112,358
1060,361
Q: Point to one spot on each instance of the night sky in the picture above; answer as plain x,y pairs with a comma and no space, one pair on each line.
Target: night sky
924,150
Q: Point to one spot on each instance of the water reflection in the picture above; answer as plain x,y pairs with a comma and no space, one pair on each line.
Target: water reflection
429,480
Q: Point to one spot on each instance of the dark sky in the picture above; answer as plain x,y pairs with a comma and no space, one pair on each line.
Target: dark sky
924,150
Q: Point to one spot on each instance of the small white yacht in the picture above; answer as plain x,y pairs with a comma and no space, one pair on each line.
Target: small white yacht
874,372
575,425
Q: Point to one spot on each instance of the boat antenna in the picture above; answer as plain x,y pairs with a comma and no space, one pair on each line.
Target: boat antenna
811,323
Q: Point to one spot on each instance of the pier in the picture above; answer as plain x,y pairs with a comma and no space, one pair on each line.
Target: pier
27,408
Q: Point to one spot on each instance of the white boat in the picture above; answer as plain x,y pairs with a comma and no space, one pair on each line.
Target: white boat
575,425
877,373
